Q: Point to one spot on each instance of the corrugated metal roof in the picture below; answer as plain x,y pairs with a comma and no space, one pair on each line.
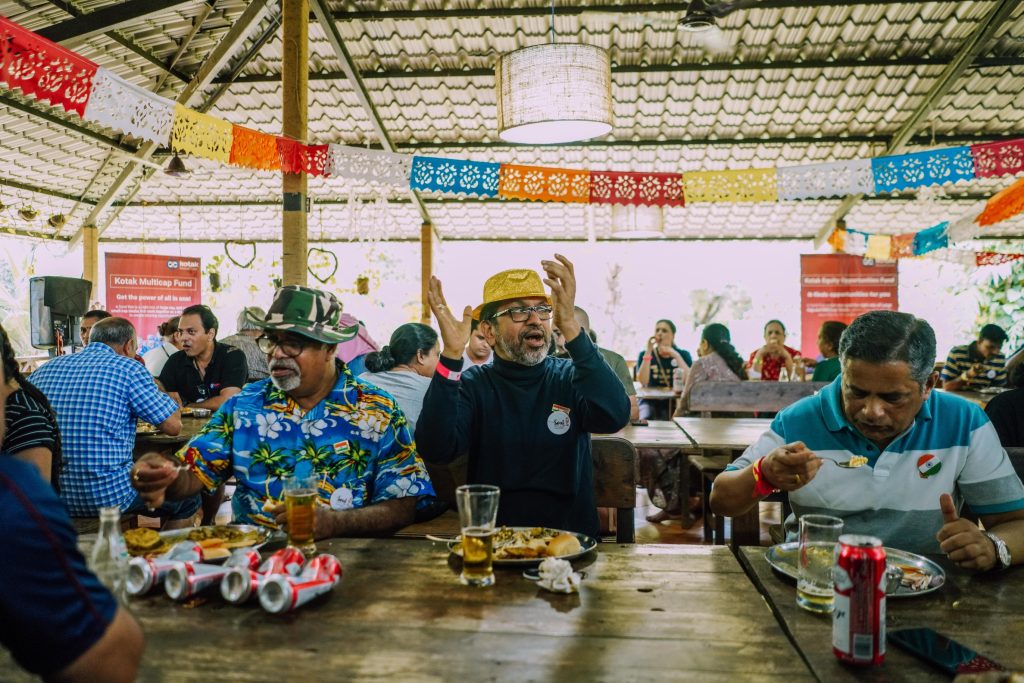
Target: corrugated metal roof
799,83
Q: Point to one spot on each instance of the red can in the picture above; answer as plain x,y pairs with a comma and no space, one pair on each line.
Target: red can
858,620
283,593
242,582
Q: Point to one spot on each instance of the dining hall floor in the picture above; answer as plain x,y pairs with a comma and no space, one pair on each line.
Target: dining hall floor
672,531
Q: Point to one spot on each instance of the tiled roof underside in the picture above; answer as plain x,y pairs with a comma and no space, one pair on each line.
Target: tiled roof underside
448,114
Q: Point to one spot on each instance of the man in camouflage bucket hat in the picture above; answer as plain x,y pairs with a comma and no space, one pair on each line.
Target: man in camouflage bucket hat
310,417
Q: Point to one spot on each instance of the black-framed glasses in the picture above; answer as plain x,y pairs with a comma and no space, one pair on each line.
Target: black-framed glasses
289,347
520,314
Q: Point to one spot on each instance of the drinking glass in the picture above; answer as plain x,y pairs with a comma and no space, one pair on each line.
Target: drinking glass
478,511
818,537
300,494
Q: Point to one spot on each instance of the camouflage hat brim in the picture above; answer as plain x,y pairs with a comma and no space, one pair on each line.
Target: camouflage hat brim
320,333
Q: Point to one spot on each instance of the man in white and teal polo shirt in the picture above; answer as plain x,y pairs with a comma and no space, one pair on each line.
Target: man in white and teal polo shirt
927,452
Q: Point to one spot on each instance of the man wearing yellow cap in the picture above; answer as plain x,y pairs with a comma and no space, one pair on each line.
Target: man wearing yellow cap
525,419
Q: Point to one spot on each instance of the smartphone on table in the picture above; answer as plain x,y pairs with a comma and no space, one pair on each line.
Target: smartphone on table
942,651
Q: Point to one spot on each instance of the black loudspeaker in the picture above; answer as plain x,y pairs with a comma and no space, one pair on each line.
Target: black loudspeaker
56,304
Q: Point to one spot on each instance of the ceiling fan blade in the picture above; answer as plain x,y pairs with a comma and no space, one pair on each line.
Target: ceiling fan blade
720,9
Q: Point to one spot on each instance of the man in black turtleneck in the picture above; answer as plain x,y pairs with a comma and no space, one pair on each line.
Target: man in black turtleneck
525,420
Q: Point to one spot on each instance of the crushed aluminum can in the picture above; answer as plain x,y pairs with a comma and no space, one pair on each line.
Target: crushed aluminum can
187,579
241,583
145,574
281,593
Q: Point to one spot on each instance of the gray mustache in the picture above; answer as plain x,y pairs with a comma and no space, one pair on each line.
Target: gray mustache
286,363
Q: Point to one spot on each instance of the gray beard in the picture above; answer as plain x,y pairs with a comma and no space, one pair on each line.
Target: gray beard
518,354
286,383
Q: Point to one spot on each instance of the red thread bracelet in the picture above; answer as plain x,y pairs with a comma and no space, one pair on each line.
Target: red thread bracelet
761,486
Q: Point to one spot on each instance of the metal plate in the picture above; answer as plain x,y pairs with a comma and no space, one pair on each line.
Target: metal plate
782,558
992,390
177,535
587,544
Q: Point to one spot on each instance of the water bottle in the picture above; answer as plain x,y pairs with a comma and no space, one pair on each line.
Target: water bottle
109,557
783,374
678,380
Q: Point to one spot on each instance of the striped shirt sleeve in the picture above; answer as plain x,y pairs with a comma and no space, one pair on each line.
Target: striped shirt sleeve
28,424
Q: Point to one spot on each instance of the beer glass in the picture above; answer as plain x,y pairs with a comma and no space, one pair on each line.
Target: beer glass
478,510
818,537
300,494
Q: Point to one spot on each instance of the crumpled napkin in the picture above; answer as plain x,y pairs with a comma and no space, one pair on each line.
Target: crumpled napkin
557,576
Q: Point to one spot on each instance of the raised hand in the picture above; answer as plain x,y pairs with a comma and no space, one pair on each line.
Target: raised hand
561,278
454,332
962,540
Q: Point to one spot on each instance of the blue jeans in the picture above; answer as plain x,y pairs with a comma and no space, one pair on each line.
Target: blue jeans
171,509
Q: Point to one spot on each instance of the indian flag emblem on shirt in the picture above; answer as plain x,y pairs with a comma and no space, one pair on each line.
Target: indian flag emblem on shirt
341,447
928,465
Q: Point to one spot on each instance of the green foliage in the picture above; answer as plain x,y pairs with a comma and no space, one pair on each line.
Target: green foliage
1001,301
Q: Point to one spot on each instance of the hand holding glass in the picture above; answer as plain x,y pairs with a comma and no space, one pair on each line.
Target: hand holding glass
478,512
818,537
300,494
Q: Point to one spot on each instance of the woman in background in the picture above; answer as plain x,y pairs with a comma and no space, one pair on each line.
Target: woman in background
404,366
655,365
718,361
170,344
32,432
774,355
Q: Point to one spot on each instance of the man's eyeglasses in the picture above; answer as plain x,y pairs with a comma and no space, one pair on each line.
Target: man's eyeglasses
521,314
289,347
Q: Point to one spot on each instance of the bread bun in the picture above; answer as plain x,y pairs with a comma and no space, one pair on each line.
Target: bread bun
215,553
563,544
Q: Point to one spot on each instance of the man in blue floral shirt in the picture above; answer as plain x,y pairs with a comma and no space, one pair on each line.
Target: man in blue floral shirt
309,417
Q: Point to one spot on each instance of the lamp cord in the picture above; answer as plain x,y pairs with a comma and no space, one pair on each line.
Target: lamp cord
552,21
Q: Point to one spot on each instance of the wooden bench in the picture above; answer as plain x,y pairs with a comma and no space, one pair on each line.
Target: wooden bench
748,397
746,528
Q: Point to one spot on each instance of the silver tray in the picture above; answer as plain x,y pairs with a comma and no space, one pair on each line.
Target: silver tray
782,558
177,535
587,544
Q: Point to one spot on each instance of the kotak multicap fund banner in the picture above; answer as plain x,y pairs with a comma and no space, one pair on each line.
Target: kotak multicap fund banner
842,287
149,289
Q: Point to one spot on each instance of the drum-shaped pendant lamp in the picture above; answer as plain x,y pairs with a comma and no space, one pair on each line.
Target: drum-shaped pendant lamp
554,93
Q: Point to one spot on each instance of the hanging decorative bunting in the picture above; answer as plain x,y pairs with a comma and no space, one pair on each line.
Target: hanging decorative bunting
253,149
902,246
819,181
856,242
116,103
747,185
934,167
879,247
654,189
994,159
200,134
931,239
1005,204
434,174
372,165
961,257
991,258
544,184
297,157
837,240
44,70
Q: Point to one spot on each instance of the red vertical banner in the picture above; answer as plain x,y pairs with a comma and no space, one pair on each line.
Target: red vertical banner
842,287
149,289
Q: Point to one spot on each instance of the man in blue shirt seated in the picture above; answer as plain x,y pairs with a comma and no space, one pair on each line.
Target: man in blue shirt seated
920,448
56,618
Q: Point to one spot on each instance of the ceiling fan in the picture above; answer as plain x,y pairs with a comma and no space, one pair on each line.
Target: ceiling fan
699,24
700,16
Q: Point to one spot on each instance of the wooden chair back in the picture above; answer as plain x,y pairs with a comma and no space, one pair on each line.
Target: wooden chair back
749,397
615,482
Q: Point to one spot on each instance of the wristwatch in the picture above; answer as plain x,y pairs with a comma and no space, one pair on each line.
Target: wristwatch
1002,552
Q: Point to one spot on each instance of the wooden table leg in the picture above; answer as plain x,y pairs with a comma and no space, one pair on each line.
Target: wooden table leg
746,528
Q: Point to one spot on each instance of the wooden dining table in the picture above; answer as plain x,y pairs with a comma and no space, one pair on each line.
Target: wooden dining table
190,426
643,613
981,611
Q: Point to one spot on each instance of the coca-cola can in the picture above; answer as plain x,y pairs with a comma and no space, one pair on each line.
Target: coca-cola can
241,583
186,579
858,620
282,593
145,574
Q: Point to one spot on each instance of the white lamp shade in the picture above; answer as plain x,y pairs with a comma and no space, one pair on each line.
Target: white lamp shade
554,93
637,222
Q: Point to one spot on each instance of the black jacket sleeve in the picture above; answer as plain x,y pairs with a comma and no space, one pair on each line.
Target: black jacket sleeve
443,427
601,400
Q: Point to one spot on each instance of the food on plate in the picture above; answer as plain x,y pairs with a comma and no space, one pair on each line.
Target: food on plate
564,544
231,537
145,428
531,544
857,461
140,541
915,578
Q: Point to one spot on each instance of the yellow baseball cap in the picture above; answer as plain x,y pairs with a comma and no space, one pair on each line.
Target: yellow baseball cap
518,283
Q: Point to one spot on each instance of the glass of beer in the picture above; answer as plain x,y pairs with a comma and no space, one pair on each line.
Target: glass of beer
478,510
300,494
818,537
